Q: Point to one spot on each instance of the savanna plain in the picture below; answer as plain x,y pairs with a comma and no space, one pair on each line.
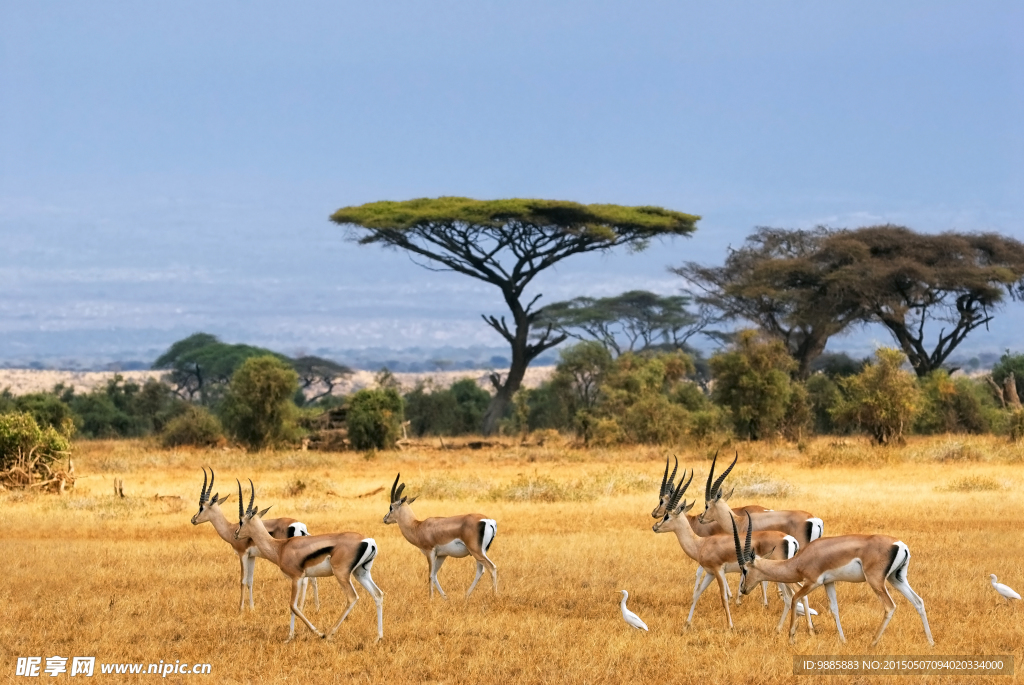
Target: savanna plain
89,573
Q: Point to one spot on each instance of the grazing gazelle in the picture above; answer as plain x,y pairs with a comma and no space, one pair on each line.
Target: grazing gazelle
716,554
440,538
342,555
873,559
701,529
800,524
209,510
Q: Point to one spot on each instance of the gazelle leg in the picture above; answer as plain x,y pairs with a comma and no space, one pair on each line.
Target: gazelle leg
366,580
888,606
302,598
787,602
350,592
249,581
698,578
245,571
435,566
479,572
708,578
833,603
720,575
899,581
316,593
764,592
800,594
296,611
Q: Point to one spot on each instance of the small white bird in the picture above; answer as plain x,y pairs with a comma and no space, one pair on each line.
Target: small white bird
631,618
1003,590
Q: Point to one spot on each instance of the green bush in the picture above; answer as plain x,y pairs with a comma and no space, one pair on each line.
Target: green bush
881,399
375,418
258,409
457,410
752,379
953,406
26,450
195,427
1010,363
824,396
45,407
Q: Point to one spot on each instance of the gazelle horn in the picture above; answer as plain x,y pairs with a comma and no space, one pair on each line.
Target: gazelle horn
664,479
399,491
252,497
716,488
672,478
203,493
241,514
736,539
747,551
395,485
711,475
677,495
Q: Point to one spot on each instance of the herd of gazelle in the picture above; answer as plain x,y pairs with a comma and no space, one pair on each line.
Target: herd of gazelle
303,557
784,547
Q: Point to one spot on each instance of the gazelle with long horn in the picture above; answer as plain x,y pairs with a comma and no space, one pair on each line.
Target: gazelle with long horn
800,524
342,555
871,559
440,538
701,529
715,553
245,549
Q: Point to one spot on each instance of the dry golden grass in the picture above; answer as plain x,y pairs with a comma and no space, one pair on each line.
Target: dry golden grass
130,580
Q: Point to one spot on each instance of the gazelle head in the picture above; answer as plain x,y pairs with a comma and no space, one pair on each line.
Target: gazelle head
207,503
675,508
246,516
667,484
713,493
397,501
750,575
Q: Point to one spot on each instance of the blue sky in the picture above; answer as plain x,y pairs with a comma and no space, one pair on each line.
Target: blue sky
171,168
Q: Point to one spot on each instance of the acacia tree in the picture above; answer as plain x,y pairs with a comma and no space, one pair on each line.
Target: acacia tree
633,321
507,243
201,366
780,280
913,283
317,372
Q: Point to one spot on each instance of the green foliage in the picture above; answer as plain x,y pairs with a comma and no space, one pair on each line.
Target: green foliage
258,410
1015,426
635,394
881,399
953,406
1010,363
375,418
201,366
317,373
824,397
22,439
46,408
596,222
457,410
752,379
194,427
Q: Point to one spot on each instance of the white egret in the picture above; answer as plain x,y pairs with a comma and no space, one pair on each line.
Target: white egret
631,618
1005,591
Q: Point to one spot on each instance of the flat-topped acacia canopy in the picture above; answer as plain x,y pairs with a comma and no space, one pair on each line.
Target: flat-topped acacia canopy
507,243
599,222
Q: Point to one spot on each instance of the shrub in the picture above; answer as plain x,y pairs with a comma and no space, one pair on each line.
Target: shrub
27,451
258,409
953,406
195,427
457,410
1015,426
1010,363
824,396
881,399
974,483
375,418
752,379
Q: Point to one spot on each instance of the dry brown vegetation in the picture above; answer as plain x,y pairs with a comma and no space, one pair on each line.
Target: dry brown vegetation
130,580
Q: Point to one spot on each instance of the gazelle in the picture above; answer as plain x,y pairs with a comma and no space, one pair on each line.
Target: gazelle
440,538
716,554
342,555
209,510
873,559
701,529
800,524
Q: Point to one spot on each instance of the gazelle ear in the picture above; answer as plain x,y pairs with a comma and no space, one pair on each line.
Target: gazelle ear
412,499
222,500
403,500
729,496
261,513
686,509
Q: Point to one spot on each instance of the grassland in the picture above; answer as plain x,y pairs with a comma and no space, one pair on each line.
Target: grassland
131,580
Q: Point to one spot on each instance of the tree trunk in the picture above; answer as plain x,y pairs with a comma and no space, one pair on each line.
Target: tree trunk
503,398
1010,390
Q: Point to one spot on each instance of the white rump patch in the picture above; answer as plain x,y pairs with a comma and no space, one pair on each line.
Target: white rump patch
297,530
490,531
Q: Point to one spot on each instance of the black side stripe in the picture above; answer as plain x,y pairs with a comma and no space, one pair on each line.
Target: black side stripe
313,555
893,551
808,535
483,532
359,555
